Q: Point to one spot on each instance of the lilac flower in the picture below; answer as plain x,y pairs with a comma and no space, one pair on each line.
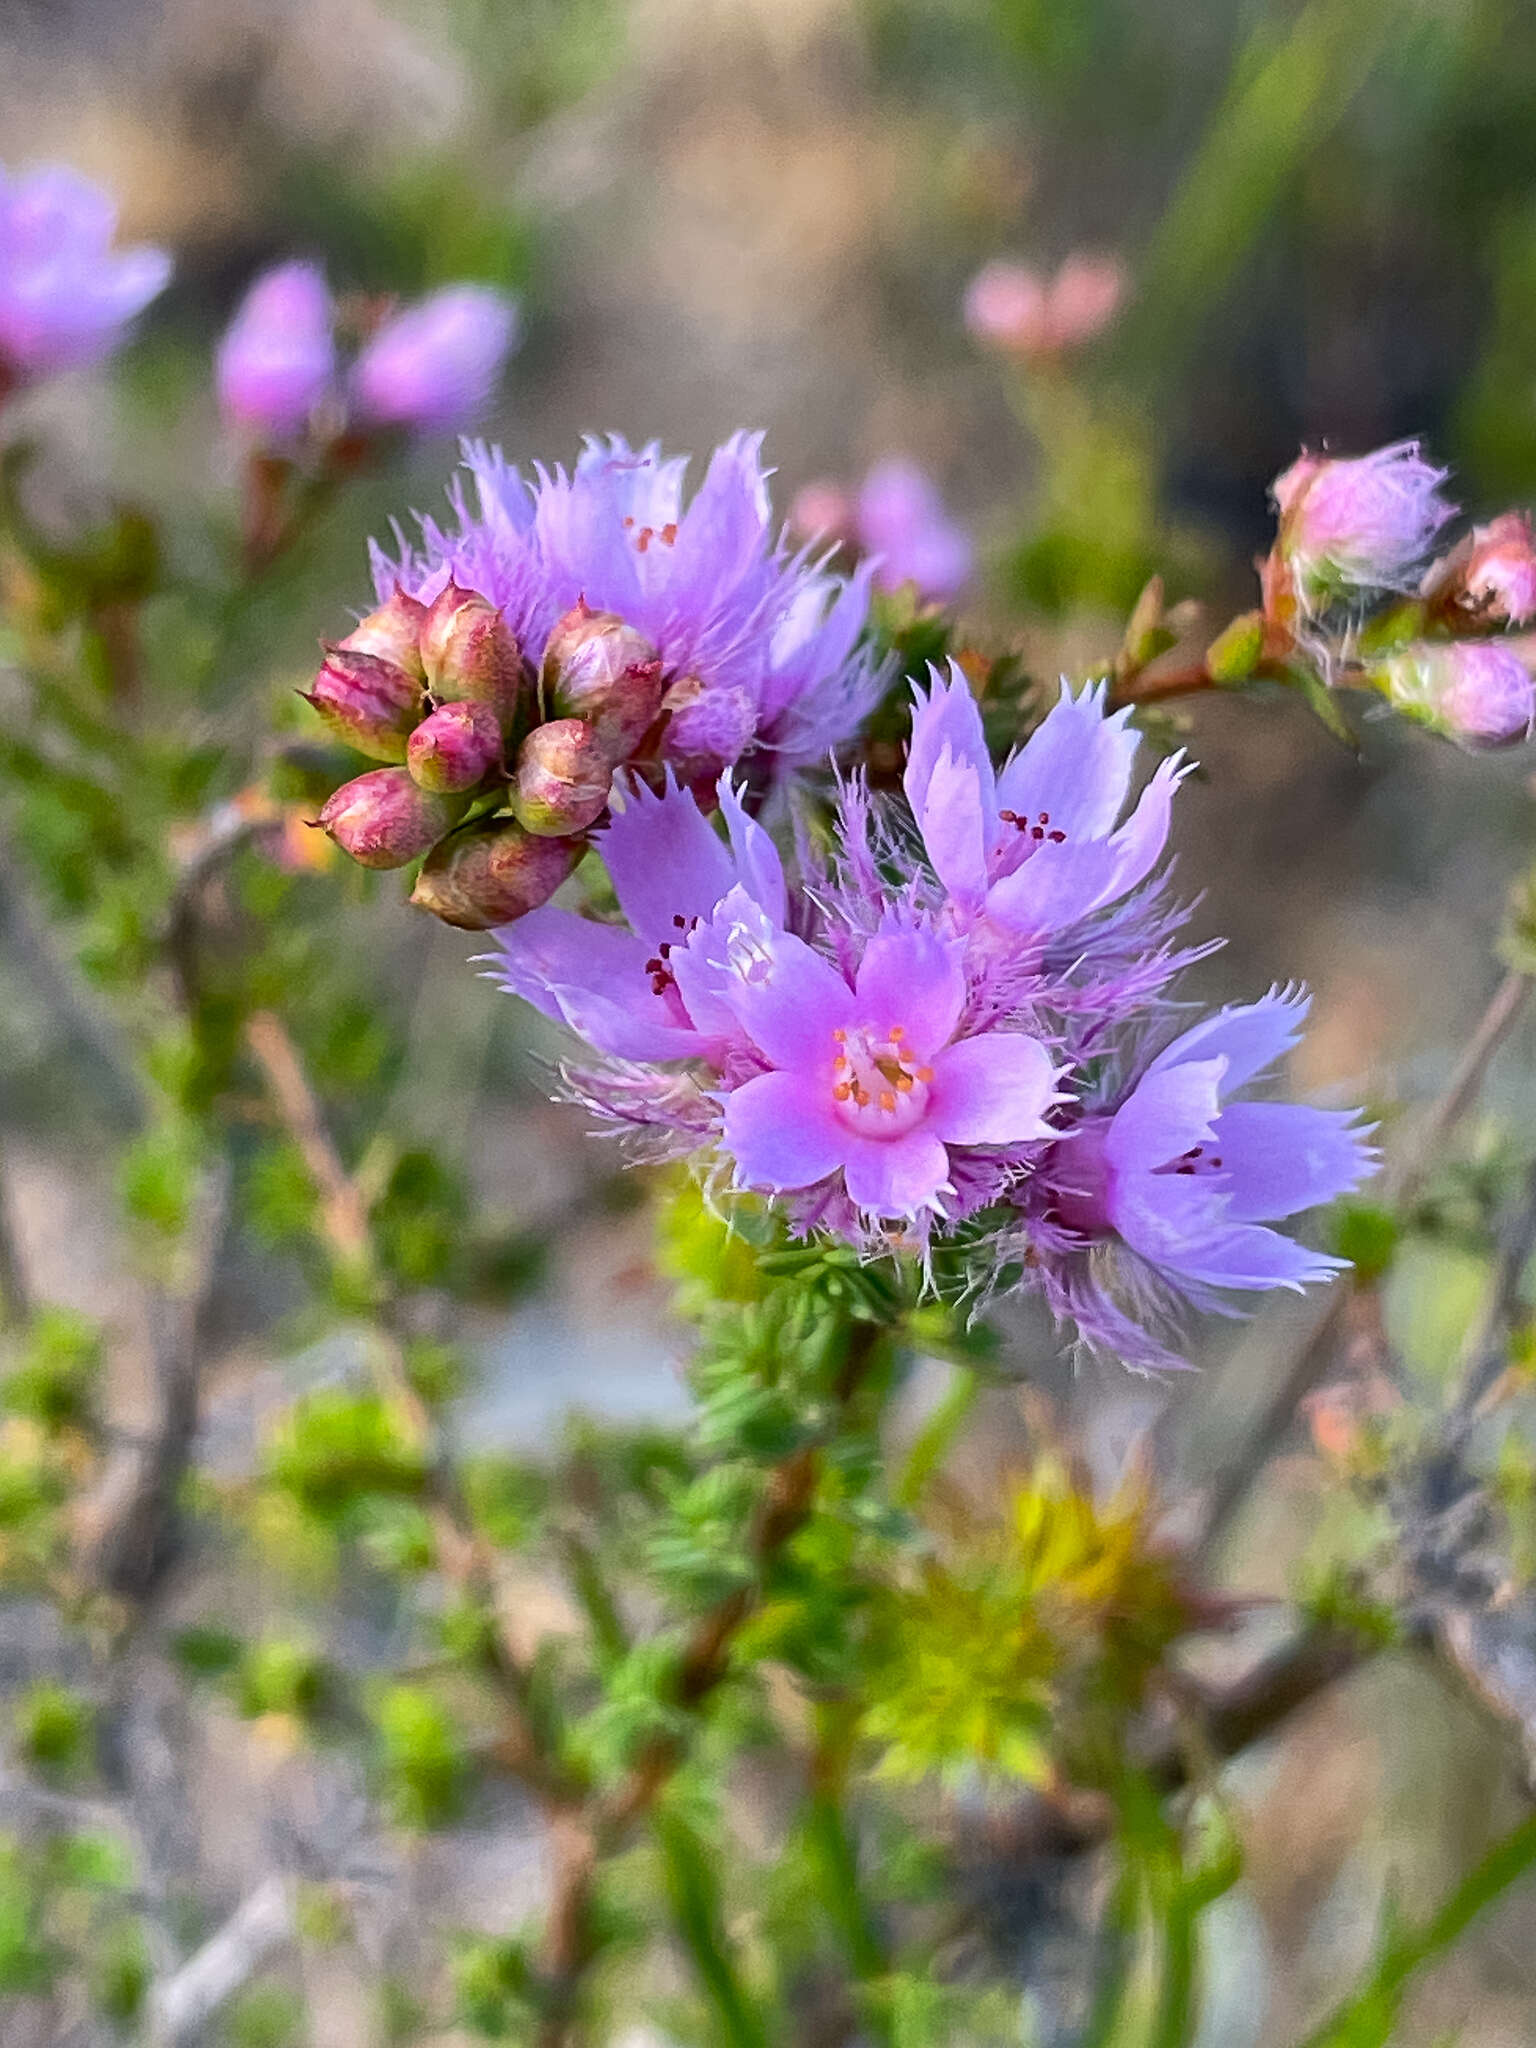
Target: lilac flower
902,522
434,366
277,358
1164,1192
645,993
66,296
1358,524
870,1085
1035,848
1478,692
758,645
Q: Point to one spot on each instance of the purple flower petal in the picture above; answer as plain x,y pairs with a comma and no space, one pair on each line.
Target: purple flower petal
1248,1036
1249,1256
912,979
947,718
787,998
1076,765
780,1135
757,858
667,864
991,1090
277,357
1057,886
1169,1111
592,977
896,1176
1280,1157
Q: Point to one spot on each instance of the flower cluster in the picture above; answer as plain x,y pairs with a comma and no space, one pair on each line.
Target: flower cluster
758,646
1348,598
66,295
954,1032
428,368
507,694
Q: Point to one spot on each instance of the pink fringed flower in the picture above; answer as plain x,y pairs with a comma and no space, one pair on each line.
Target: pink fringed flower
1358,524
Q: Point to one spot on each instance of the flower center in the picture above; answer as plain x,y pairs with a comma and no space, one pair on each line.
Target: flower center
879,1087
667,534
1039,828
659,966
1198,1159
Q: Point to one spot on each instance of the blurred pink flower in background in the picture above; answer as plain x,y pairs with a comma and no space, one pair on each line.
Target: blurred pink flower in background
428,368
898,517
277,359
433,367
66,295
1011,307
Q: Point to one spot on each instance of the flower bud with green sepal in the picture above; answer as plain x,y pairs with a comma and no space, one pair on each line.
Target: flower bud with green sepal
470,654
492,875
562,780
455,748
366,700
385,819
599,669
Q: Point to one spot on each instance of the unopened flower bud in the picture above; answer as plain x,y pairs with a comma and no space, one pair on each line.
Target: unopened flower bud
455,748
1478,692
563,778
1490,578
1236,651
489,876
393,632
600,669
710,727
367,701
471,655
1357,524
384,819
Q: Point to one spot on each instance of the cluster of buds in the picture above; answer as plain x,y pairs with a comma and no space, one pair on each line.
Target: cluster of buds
1346,594
496,769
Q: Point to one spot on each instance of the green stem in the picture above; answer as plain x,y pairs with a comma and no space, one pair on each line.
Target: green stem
1288,89
835,1858
932,1443
699,1919
1109,1999
1362,2016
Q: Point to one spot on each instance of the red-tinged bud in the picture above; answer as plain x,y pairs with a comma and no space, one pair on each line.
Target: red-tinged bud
366,700
600,669
563,778
492,875
1489,579
384,819
471,654
1476,692
393,632
455,748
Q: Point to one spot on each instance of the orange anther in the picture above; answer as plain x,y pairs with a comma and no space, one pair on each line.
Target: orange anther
887,1099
